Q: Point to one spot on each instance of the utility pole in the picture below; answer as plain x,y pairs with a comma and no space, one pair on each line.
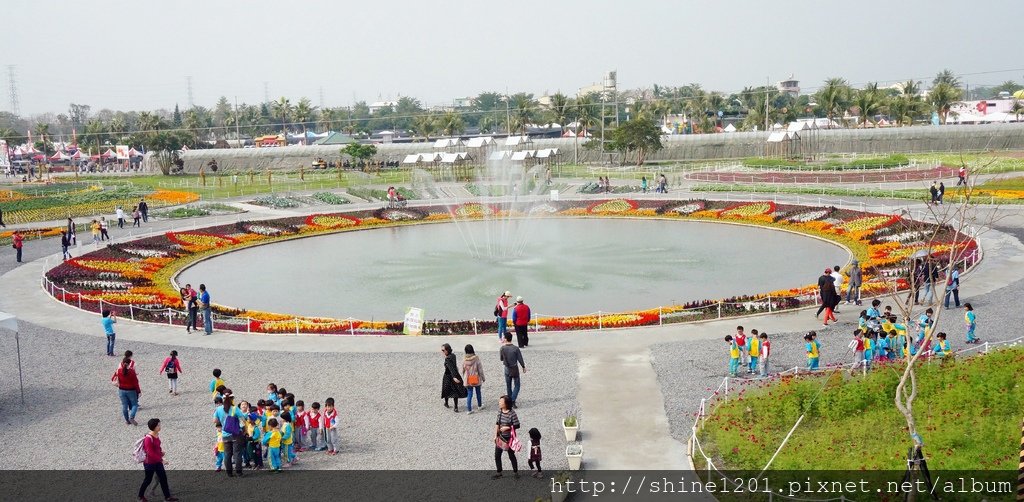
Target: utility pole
238,134
321,97
191,103
266,91
13,81
767,85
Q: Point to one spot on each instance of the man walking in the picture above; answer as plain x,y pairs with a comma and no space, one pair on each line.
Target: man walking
962,173
521,322
144,209
204,303
501,313
512,358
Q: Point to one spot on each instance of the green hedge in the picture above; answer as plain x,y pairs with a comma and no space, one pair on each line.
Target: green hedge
890,161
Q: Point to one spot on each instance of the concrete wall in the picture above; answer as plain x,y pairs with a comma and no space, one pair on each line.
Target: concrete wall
918,139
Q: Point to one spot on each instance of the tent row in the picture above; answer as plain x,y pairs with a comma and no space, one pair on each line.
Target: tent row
444,158
523,154
480,142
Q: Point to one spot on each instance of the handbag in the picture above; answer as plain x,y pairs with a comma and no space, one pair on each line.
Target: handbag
472,380
513,442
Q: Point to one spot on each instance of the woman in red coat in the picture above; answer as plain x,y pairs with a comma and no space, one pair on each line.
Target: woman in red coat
128,387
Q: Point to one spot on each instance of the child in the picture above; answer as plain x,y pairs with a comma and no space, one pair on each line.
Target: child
812,351
272,438
171,367
272,392
534,461
313,428
857,344
216,383
287,439
218,451
892,345
766,349
971,321
741,341
882,346
299,417
754,349
329,419
734,356
869,349
872,311
942,348
924,324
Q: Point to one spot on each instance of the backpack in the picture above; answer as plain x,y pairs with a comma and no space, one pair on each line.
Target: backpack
138,452
497,310
171,367
231,424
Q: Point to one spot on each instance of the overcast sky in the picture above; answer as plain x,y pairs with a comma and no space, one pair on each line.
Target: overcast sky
137,54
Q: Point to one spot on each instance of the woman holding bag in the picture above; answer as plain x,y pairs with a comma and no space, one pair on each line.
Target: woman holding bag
505,436
473,370
451,382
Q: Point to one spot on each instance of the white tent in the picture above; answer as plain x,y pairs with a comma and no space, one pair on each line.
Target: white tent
778,137
480,142
9,322
447,142
797,126
430,157
516,140
520,156
411,158
730,128
499,155
449,158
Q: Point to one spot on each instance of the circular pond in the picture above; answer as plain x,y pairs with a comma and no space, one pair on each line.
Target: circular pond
560,267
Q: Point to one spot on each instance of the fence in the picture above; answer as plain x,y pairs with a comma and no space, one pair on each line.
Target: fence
709,404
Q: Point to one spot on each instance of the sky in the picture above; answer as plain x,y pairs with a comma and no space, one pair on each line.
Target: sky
137,55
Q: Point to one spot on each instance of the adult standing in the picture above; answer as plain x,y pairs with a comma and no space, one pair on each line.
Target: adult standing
934,190
501,313
17,241
136,217
192,303
71,232
64,244
231,420
942,191
204,303
473,371
128,389
953,287
512,358
155,461
144,209
827,290
120,216
104,236
931,273
108,320
856,278
521,322
451,382
504,428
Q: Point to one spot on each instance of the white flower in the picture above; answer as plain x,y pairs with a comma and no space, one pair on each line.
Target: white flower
145,253
399,215
808,216
906,236
263,229
543,208
689,208
103,285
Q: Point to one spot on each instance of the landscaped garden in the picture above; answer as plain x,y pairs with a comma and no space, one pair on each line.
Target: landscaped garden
139,273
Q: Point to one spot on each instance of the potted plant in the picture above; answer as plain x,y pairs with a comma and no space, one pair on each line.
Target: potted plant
560,479
571,426
574,454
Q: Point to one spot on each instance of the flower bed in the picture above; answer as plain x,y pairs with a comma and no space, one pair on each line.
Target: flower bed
140,272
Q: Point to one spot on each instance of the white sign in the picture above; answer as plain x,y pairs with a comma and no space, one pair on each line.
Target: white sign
554,195
413,322
4,161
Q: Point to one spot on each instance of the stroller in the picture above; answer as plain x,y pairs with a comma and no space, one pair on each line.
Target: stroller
397,201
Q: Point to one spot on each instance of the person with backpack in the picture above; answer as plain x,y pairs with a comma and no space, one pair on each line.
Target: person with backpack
501,313
171,367
128,388
234,441
150,454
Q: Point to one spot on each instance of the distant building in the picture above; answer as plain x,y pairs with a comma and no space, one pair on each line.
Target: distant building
789,86
380,105
463,102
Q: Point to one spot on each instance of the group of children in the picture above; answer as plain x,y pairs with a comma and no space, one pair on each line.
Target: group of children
878,337
278,427
752,351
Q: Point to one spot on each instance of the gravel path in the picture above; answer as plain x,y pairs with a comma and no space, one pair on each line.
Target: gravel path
390,412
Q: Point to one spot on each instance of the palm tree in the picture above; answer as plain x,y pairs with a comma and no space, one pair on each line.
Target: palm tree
148,122
561,106
192,124
451,123
524,109
282,109
304,112
253,119
327,118
95,133
1017,109
868,102
424,125
942,97
946,77
834,98
586,115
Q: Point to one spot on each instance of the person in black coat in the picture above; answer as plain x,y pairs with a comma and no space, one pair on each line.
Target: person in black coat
829,298
451,382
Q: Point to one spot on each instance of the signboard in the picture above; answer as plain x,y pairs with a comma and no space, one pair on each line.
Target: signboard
554,195
413,322
4,160
122,152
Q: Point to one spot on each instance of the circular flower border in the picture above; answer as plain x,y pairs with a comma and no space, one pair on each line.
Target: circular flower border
140,273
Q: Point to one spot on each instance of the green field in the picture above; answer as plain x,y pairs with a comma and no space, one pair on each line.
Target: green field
967,411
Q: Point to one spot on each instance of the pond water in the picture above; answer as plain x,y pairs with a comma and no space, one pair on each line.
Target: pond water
568,266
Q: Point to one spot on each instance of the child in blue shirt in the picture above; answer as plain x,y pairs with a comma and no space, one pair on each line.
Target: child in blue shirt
942,348
734,356
971,321
272,439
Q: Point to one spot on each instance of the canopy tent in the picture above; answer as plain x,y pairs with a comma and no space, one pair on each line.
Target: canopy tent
79,155
730,128
60,156
9,322
480,142
110,153
134,153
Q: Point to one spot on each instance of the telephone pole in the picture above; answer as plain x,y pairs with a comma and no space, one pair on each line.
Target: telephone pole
191,102
266,92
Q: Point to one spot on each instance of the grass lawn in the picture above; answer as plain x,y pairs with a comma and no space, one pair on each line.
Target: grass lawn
983,195
984,163
968,412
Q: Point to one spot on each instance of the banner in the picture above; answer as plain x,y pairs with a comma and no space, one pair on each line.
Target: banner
413,322
122,152
5,161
